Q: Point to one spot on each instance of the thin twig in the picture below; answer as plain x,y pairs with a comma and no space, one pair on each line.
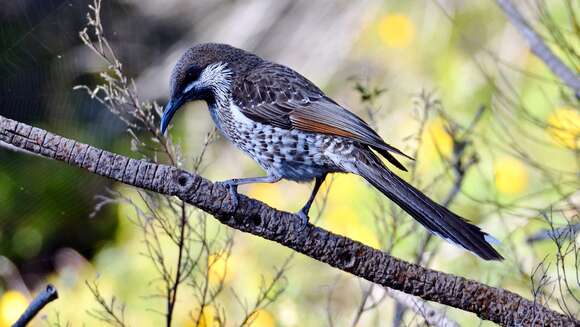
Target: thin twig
43,298
459,165
111,312
172,292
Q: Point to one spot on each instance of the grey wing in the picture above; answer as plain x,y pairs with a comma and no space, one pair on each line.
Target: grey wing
270,93
276,95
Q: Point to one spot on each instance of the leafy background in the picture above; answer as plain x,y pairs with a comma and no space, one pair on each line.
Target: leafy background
464,54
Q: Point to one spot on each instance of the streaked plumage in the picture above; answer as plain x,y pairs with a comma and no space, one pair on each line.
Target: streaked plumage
294,131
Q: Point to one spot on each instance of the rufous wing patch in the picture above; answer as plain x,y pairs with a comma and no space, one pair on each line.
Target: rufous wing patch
309,125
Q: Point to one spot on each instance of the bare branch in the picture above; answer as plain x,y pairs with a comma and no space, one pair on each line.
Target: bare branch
255,217
539,47
566,232
111,312
43,298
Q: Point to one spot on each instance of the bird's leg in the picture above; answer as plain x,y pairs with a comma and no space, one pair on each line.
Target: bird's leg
232,184
303,213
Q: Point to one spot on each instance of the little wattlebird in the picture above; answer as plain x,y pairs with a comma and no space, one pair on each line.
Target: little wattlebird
295,132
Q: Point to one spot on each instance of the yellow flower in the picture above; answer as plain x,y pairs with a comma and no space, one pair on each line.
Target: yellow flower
218,268
396,30
262,318
564,127
511,175
345,221
437,140
271,194
206,319
345,190
12,305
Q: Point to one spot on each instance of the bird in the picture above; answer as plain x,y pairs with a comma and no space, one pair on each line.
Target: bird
294,131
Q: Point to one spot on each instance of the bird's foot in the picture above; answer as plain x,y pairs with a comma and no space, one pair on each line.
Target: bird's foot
233,191
303,218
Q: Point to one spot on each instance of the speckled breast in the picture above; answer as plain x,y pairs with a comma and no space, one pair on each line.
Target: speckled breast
290,154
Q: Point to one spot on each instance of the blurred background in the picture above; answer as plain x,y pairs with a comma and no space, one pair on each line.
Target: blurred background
420,71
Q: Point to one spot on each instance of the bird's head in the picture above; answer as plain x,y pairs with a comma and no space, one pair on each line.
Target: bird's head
205,72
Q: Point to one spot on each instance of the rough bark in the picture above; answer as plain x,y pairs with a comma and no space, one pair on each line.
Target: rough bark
252,216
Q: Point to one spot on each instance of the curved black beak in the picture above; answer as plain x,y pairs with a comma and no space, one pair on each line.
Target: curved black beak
169,111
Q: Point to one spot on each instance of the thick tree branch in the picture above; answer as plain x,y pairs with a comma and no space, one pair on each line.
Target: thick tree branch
255,217
539,47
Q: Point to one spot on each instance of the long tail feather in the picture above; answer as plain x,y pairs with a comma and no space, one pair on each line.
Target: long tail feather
436,218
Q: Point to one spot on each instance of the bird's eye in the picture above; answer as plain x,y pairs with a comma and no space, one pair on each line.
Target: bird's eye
192,74
190,81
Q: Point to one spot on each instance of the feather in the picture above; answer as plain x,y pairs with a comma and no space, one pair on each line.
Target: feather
276,95
436,218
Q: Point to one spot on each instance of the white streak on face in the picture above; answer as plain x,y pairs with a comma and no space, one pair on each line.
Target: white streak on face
190,87
217,77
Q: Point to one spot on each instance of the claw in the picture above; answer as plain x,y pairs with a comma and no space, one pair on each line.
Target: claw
234,195
304,219
233,190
